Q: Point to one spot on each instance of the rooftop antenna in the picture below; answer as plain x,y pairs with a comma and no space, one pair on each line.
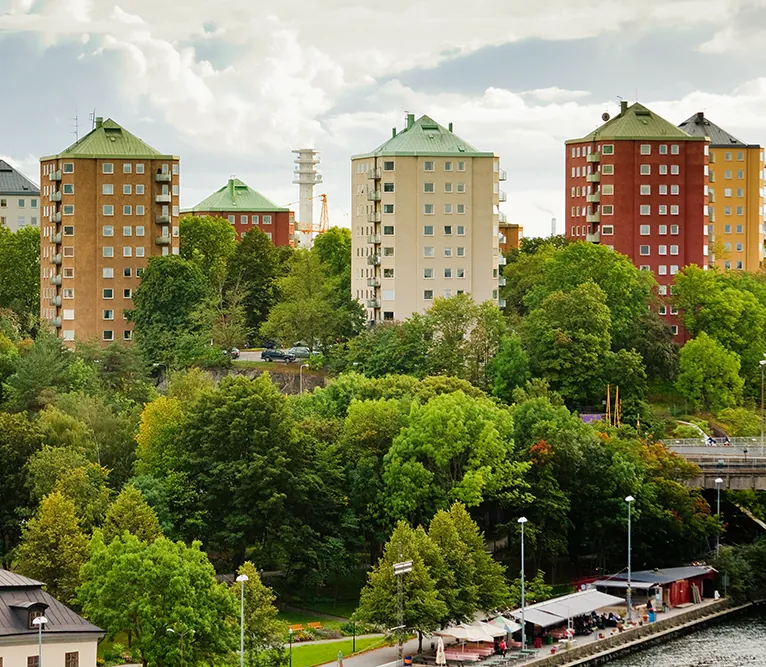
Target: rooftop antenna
92,117
76,130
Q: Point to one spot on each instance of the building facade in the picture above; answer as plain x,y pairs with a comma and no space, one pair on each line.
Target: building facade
639,185
510,236
425,210
735,205
19,199
248,209
109,203
68,640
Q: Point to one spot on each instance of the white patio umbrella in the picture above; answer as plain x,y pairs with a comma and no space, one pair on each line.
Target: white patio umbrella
506,624
491,629
441,658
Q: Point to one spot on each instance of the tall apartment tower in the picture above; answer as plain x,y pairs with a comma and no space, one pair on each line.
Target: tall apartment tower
639,184
425,221
109,203
736,216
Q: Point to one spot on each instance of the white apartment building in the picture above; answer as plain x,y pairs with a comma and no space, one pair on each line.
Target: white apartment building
19,199
425,221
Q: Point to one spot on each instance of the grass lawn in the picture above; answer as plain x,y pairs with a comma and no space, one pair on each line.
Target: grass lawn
106,644
342,608
293,617
317,654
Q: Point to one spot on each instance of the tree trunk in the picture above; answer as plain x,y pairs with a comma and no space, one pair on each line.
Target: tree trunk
420,642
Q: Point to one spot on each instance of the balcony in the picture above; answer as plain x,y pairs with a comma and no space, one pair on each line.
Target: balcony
373,239
593,198
374,260
163,198
502,217
56,196
56,280
502,175
373,195
56,259
162,178
373,216
162,219
373,282
594,178
56,322
56,217
501,281
594,157
501,303
56,238
55,301
595,237
55,175
162,240
375,174
501,238
593,217
373,303
501,260
502,195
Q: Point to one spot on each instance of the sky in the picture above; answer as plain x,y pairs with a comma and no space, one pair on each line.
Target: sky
234,86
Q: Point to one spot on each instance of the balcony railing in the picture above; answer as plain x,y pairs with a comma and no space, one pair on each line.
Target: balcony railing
501,303
56,238
374,260
373,303
502,217
55,175
593,217
55,301
56,217
56,259
594,237
375,174
163,198
501,281
593,198
502,175
593,178
56,322
162,219
373,216
373,195
56,196
162,178
502,196
501,260
56,280
373,282
162,240
594,157
373,239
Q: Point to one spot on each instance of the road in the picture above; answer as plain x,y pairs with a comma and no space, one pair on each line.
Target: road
255,355
381,656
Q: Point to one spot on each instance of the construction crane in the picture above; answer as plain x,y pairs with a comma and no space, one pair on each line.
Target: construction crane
324,217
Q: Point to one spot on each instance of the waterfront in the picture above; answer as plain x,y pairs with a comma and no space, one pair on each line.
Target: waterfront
734,642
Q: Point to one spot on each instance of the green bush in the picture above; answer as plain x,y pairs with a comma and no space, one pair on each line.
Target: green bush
685,431
740,422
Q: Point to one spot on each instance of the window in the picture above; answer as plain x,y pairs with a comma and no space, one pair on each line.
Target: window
69,314
108,209
740,174
33,661
645,230
266,219
428,187
108,315
428,251
460,251
646,149
388,208
68,230
447,230
108,335
139,210
739,229
674,250
607,230
727,192
139,168
740,192
727,173
662,290
663,149
448,273
674,149
460,230
607,209
388,230
663,209
127,189
448,252
739,247
428,165
107,168
646,189
388,252
68,188
428,209
673,269
107,272
448,166
645,209
461,165
674,210
68,167
674,170
461,209
663,170
643,250
428,273
674,329
739,266
232,218
127,272
674,310
448,209
107,189
674,189
607,169
448,187
727,264
107,230
127,210
68,251
127,231
663,309
428,230
428,294
243,219
68,272
139,230
388,273
107,293
662,250
674,230
127,251
107,251
607,189
388,187
139,251
607,149
645,169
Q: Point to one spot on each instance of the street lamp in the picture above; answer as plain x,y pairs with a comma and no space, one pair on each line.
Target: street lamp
182,635
400,569
300,377
522,521
40,621
762,363
718,482
242,578
629,500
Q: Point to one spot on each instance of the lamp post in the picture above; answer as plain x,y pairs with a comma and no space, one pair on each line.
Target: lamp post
718,482
522,521
400,569
242,578
40,621
629,500
300,377
290,630
182,635
763,363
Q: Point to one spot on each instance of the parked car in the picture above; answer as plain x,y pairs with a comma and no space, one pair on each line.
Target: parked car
233,353
277,355
299,352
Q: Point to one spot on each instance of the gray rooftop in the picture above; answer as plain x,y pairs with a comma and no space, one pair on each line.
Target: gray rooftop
699,126
666,575
13,182
19,594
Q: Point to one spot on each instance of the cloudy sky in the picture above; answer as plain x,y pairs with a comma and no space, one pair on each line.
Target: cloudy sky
234,85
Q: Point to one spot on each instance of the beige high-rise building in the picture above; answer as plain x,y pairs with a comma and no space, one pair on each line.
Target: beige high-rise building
425,221
109,203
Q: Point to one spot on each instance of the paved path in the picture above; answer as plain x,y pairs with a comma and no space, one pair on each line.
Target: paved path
330,641
381,656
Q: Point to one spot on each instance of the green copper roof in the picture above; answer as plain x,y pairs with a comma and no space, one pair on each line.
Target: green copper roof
236,196
425,137
637,122
108,139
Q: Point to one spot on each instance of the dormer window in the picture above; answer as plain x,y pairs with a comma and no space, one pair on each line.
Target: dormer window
33,614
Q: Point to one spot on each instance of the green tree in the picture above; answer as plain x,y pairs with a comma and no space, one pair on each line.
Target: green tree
509,368
222,318
709,374
209,242
20,275
120,369
53,547
170,291
130,512
535,590
142,588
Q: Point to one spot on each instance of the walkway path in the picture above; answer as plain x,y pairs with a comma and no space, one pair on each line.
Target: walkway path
380,656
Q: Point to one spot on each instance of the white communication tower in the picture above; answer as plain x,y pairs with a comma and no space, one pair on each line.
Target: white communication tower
306,177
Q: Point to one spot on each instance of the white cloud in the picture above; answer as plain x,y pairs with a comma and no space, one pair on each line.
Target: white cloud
555,94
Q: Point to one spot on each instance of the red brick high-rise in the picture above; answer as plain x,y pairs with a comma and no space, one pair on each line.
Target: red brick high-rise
639,185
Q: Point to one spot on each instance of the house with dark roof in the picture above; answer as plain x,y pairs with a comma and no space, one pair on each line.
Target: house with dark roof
19,199
248,209
68,640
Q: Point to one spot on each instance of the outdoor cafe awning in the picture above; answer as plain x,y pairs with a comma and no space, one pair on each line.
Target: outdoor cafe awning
471,633
616,583
537,617
558,610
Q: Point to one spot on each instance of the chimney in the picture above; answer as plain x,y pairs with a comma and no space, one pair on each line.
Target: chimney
393,132
231,188
623,106
553,227
99,122
450,127
410,120
700,120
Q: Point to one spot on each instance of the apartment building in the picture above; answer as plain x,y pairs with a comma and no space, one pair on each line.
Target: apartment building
511,235
19,199
109,203
735,197
425,210
639,185
248,209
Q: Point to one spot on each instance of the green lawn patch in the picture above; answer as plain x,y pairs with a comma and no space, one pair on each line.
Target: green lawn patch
295,617
341,608
309,655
